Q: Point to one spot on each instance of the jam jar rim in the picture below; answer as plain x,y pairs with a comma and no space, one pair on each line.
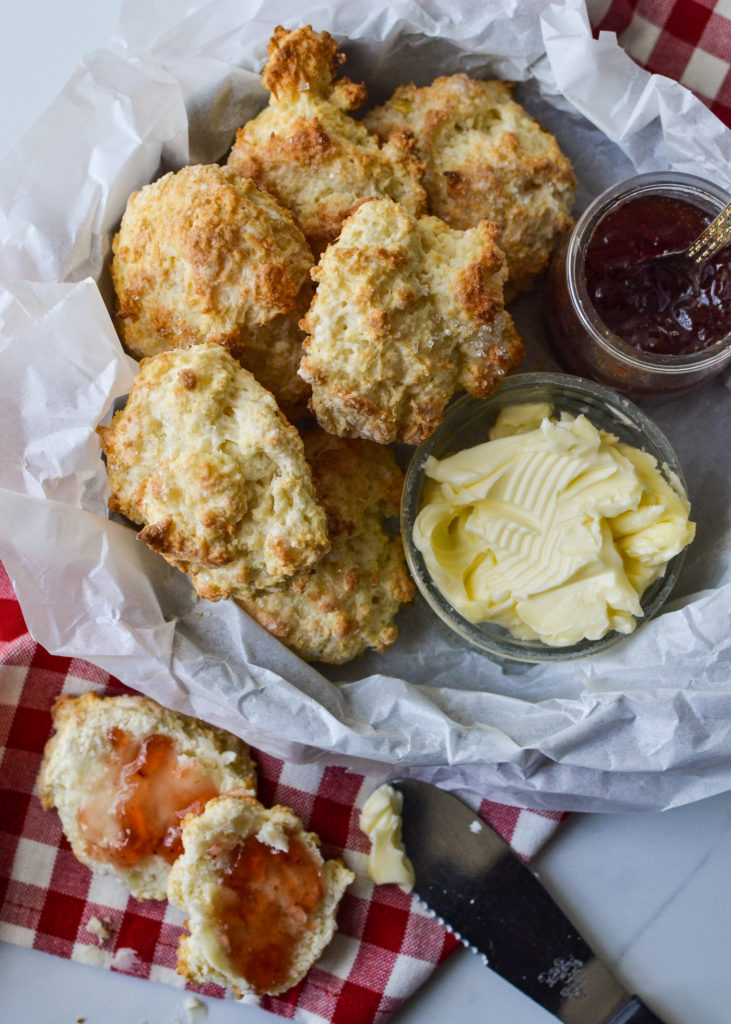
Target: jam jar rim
676,184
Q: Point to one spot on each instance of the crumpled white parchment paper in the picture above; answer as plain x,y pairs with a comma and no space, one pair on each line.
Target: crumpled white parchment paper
645,725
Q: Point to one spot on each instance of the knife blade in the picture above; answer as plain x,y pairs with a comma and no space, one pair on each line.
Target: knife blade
471,878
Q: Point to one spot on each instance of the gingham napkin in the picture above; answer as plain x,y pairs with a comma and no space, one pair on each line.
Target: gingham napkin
687,40
386,945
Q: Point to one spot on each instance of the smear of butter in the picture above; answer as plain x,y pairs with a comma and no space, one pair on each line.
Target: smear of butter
208,938
380,819
552,528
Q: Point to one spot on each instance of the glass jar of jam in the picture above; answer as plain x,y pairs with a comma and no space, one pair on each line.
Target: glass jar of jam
614,316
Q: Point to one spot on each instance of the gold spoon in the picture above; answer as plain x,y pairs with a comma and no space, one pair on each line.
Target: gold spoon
688,262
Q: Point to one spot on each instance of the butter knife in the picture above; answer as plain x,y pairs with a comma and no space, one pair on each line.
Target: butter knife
470,878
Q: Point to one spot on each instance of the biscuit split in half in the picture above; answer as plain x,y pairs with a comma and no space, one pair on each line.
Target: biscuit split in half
486,158
202,456
203,255
123,772
407,312
347,602
166,805
306,150
260,899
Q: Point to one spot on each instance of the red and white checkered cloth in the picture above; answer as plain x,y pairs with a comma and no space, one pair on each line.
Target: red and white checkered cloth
386,945
687,40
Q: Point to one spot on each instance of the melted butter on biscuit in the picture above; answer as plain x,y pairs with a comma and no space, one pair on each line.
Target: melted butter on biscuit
552,528
380,819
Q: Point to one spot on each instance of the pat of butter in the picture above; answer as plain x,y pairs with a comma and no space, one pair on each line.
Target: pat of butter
380,819
552,528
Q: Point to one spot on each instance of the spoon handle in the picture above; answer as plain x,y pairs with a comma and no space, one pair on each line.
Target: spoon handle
715,236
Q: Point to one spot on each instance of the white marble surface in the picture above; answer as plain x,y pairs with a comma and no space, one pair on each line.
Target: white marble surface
651,892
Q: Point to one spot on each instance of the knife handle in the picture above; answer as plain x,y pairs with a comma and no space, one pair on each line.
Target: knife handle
633,1011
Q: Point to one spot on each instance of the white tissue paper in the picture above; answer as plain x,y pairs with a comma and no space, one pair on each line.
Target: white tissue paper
646,725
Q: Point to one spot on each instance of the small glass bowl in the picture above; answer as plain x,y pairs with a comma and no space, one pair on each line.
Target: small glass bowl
468,423
582,343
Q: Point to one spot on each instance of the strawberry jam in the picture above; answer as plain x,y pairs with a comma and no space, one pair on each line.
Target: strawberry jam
651,306
268,899
140,799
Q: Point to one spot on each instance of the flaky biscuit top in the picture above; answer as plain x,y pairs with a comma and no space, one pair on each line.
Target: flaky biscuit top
204,255
348,602
407,312
307,151
203,458
486,158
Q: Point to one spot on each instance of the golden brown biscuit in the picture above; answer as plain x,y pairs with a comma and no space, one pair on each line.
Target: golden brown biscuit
203,457
259,897
407,312
486,159
308,152
202,255
124,771
348,601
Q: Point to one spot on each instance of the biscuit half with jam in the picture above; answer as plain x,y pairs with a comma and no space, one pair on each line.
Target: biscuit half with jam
124,771
261,900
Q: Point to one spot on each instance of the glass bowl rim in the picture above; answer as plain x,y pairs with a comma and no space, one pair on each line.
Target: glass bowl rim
492,640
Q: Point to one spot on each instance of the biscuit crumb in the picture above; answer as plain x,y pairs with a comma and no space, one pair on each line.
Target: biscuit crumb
93,956
101,929
196,1010
124,958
